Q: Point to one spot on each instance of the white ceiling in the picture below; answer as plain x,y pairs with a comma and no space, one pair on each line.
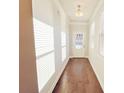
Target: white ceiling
87,7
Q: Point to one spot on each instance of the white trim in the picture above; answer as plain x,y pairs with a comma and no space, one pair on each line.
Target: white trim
78,57
58,76
62,69
60,8
99,6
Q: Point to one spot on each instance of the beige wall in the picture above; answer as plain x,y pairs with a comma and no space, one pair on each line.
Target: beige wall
96,59
27,64
79,27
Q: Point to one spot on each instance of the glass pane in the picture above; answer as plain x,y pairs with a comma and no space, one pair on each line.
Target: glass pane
44,37
45,69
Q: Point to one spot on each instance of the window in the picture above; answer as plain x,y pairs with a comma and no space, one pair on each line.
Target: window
44,47
79,40
102,34
63,44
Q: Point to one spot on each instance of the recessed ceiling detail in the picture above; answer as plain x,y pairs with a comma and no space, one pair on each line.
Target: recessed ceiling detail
86,8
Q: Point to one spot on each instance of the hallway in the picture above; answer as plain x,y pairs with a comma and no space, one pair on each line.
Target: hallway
60,42
78,77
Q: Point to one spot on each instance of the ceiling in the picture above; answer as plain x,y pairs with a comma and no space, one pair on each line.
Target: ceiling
87,8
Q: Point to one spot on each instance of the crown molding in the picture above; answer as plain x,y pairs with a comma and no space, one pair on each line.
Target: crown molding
58,4
99,7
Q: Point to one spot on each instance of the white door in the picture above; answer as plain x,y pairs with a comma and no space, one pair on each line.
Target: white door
78,44
78,40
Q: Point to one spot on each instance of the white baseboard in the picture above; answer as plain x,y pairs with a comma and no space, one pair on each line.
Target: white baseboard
58,76
78,57
62,69
96,73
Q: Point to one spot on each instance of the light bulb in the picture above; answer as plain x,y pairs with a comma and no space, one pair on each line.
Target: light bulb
79,13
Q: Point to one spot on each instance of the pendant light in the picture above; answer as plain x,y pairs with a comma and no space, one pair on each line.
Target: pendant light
78,11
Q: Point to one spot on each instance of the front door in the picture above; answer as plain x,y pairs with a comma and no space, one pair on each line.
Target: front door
78,44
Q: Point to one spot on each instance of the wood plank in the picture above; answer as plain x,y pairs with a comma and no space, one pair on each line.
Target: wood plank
78,77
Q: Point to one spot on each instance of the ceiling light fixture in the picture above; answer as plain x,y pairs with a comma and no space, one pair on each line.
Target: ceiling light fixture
78,11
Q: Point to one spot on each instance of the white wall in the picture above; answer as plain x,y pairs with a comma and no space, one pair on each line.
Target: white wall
79,27
43,10
96,59
50,12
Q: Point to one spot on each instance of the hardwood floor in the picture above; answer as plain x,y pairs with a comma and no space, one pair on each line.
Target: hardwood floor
78,77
